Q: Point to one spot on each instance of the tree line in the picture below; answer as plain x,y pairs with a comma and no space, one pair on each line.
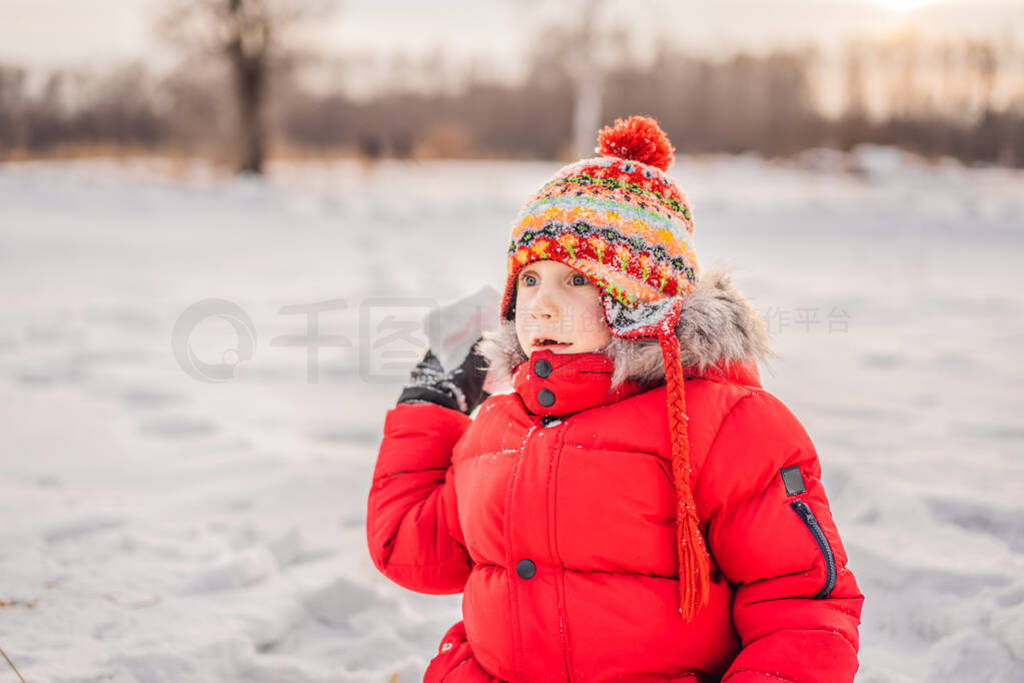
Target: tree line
240,96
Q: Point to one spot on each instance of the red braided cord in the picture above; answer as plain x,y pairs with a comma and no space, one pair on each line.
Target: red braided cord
694,563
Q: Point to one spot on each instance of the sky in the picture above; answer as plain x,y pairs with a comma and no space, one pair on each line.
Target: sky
58,32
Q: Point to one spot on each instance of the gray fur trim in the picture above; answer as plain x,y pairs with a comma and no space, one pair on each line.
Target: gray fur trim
717,326
502,350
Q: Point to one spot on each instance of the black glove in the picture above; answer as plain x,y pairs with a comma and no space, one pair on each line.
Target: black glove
461,389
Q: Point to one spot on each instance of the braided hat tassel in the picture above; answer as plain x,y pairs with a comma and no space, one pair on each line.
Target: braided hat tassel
694,563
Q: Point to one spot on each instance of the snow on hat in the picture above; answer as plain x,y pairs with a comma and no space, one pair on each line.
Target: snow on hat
622,222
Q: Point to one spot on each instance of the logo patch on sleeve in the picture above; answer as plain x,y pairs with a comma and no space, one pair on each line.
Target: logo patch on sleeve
793,480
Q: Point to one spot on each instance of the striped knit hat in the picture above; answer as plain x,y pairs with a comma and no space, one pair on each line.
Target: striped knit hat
623,223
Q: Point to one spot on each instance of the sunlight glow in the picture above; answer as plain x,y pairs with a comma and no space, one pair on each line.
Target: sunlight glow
903,5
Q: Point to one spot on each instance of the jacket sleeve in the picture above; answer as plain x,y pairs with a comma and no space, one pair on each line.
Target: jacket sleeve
796,606
411,523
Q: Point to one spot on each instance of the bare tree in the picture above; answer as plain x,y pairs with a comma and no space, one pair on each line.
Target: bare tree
254,37
589,80
986,65
13,103
855,96
581,53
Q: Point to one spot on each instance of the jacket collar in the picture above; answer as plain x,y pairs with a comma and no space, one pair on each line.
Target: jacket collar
721,336
564,383
552,383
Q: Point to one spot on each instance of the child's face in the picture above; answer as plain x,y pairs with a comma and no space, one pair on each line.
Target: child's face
557,302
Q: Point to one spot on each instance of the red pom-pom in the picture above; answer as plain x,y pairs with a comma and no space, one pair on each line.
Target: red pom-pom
638,138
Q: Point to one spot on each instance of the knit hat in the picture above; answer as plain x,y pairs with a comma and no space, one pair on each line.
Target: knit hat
623,223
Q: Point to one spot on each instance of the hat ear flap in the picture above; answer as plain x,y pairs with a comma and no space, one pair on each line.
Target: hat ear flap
644,321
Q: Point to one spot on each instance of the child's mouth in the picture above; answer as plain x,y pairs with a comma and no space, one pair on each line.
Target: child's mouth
550,344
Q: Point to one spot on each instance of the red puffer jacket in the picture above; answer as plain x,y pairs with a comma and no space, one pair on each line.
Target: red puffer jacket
557,523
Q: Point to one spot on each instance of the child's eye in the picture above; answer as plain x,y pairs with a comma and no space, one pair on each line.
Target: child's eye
578,279
525,279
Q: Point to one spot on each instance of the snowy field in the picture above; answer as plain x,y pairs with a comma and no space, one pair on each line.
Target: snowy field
157,527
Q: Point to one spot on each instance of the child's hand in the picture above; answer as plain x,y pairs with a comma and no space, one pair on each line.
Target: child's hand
469,377
461,389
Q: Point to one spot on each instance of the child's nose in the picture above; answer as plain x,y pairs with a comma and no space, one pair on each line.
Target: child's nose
544,305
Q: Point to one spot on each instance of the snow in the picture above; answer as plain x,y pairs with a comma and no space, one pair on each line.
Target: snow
454,326
158,527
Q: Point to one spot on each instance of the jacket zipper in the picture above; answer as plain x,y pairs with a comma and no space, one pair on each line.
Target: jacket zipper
807,516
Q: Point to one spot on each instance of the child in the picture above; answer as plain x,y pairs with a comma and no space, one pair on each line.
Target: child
639,508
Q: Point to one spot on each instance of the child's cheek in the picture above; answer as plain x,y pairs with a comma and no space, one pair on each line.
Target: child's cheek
522,333
592,318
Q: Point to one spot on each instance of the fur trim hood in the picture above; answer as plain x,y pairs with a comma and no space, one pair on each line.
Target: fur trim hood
717,326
